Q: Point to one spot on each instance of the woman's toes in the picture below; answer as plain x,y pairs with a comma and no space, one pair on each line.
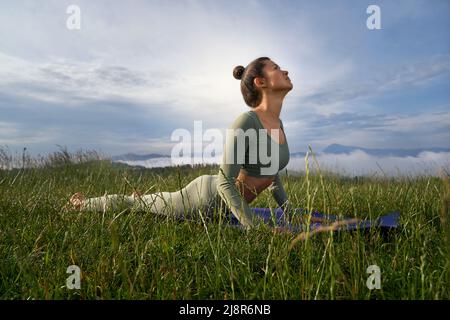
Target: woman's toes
136,194
77,200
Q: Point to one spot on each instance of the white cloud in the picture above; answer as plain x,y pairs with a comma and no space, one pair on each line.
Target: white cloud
426,129
334,96
360,163
64,81
357,163
188,48
417,122
15,133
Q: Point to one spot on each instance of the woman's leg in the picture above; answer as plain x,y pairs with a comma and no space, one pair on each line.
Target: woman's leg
198,194
109,201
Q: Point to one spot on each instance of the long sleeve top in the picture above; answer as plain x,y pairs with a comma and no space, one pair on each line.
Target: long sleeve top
249,147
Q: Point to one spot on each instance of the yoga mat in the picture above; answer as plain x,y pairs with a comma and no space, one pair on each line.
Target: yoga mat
388,221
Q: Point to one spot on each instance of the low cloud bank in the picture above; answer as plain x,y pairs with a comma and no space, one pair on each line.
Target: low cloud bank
356,163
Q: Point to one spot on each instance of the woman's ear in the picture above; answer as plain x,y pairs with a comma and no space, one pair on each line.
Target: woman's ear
260,82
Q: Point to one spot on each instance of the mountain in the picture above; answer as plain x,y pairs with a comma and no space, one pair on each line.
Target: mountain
332,148
340,149
138,157
298,154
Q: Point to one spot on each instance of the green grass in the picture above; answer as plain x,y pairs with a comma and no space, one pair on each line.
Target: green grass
137,255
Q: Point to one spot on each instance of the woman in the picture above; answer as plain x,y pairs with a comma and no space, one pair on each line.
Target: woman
264,86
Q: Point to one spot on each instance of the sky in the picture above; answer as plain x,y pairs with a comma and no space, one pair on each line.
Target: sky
136,71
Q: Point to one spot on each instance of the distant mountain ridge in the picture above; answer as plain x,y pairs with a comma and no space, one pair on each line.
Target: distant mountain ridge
331,149
138,157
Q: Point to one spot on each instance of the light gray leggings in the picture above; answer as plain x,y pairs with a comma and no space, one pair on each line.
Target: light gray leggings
200,194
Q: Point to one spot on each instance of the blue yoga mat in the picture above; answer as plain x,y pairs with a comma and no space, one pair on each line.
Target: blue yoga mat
388,221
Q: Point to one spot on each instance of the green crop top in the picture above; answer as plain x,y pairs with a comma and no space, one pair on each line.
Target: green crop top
249,147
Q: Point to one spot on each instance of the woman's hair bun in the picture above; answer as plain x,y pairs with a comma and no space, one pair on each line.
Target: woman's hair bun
238,72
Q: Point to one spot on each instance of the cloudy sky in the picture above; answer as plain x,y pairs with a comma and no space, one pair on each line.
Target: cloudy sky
137,70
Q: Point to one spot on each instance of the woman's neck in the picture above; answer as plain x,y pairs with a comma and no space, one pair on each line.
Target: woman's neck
270,107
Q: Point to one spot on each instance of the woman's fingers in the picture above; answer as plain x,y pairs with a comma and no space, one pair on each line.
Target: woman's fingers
334,226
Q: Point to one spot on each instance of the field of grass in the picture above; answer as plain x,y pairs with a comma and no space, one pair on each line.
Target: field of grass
138,255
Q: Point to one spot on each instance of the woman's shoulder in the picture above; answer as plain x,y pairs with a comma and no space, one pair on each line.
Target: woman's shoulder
245,120
250,119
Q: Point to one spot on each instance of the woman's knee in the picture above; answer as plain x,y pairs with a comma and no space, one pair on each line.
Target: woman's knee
197,193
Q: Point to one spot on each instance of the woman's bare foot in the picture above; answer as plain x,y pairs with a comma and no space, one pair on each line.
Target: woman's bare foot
136,194
76,202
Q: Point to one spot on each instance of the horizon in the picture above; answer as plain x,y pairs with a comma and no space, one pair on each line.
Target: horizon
148,153
356,163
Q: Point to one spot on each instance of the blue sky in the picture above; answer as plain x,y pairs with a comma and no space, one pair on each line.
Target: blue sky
138,70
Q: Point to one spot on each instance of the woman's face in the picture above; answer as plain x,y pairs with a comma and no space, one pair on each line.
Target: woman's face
276,78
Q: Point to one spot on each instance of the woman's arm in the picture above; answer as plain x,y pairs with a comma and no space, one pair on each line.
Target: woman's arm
279,193
280,197
233,156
